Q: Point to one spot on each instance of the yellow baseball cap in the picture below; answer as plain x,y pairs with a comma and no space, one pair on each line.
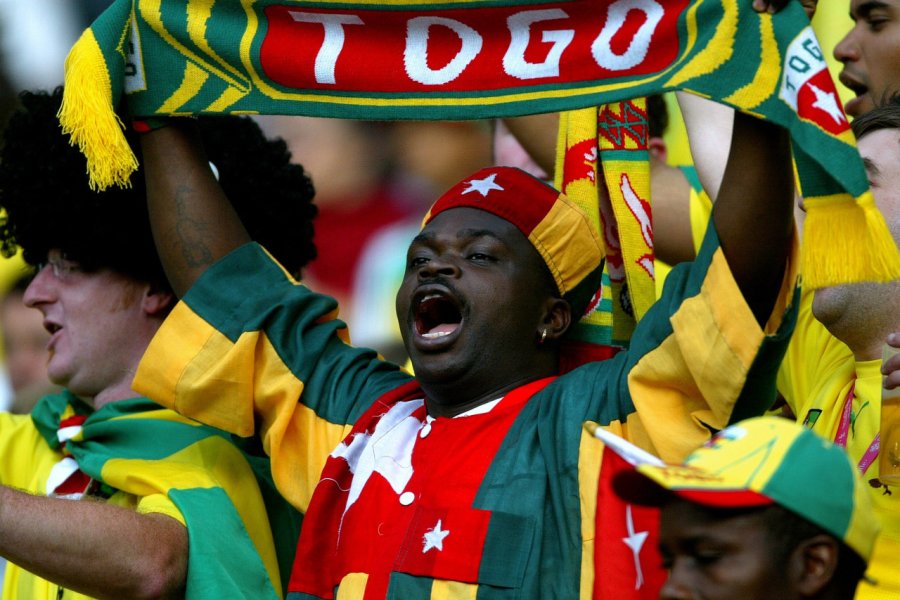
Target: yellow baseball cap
764,461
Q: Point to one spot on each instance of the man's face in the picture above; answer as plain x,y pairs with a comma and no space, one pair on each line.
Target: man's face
712,557
871,54
880,151
471,301
24,341
857,309
91,318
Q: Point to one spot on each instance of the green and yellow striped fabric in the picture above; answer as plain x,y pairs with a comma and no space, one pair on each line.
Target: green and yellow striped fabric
137,447
465,59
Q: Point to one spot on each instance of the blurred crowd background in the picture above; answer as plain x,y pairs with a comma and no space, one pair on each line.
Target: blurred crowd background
373,182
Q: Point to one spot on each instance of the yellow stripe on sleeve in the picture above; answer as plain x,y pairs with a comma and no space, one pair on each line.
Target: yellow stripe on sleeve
706,359
590,454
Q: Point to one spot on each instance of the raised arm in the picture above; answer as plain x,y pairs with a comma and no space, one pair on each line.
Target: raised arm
754,205
537,136
753,213
709,125
193,222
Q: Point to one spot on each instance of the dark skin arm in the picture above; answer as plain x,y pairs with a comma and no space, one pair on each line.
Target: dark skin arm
753,213
195,225
193,222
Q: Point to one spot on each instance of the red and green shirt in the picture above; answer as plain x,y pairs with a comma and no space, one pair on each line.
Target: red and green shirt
497,504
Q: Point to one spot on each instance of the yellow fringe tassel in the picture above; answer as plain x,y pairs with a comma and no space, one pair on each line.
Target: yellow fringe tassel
846,242
88,115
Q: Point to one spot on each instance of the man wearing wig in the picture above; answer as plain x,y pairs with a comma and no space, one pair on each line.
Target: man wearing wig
104,493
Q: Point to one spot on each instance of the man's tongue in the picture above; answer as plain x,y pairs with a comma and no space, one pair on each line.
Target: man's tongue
441,330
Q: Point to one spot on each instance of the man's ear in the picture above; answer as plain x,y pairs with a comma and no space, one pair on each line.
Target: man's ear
813,564
557,318
157,301
658,148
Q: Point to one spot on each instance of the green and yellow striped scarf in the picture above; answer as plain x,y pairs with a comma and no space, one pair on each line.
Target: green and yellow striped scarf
464,59
139,448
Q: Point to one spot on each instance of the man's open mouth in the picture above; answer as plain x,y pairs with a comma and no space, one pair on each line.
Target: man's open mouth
854,85
436,316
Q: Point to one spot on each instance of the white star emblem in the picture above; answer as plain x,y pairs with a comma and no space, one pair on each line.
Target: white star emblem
827,102
483,186
635,541
434,538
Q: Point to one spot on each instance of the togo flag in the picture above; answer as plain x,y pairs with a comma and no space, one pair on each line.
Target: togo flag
466,59
630,566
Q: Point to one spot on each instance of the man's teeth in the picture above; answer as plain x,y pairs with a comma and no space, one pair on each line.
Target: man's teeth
435,334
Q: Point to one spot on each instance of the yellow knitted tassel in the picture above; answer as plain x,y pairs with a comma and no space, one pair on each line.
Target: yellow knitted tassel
88,115
846,242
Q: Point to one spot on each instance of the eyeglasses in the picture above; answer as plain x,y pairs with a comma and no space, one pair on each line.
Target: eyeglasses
61,267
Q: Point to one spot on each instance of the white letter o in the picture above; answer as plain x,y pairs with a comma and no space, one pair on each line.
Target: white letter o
415,57
640,44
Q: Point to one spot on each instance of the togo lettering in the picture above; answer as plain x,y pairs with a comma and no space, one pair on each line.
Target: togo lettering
442,48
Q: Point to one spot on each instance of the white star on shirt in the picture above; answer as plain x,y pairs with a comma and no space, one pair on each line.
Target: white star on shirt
434,538
635,541
483,186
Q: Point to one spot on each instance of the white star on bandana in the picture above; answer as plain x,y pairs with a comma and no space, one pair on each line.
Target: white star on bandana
483,186
434,538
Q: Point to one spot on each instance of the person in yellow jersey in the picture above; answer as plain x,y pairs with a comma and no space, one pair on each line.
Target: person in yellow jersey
102,492
831,377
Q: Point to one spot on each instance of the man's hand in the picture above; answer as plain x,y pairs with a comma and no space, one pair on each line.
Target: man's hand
773,6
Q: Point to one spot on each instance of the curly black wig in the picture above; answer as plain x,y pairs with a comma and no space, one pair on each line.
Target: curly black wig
272,196
49,204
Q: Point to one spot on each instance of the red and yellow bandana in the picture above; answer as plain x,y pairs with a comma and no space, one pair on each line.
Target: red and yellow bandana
560,231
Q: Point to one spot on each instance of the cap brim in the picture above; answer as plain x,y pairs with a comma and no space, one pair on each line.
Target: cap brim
655,486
